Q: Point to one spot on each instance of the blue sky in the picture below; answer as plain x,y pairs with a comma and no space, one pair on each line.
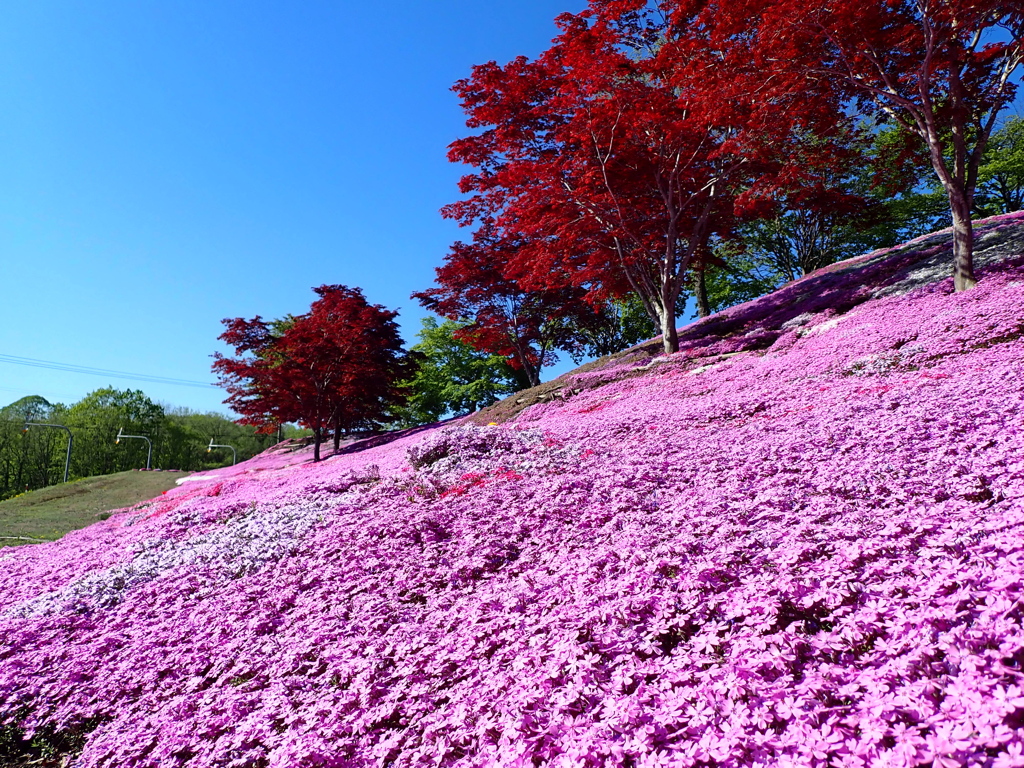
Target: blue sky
167,165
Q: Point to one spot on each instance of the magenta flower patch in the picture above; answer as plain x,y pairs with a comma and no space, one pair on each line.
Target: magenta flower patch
801,546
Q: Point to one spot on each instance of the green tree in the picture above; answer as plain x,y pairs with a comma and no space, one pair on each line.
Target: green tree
452,377
34,458
31,408
1001,175
619,324
745,277
187,433
31,458
880,194
95,421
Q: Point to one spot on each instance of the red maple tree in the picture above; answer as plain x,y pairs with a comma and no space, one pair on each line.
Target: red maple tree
476,285
622,151
941,69
255,379
334,369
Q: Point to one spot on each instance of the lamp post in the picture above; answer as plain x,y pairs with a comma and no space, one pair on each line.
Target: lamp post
71,439
149,455
234,453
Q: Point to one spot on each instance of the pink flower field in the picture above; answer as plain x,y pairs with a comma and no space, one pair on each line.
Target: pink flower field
797,542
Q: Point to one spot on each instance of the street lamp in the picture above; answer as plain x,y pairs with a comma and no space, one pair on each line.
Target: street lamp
121,435
234,453
71,439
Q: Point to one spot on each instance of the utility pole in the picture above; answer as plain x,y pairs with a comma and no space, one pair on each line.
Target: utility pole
71,439
121,435
234,453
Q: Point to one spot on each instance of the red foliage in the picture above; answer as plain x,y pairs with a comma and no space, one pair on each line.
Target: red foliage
255,379
335,368
614,158
526,326
941,70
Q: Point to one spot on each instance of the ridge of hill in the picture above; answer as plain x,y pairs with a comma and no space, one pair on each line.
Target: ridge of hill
756,325
798,541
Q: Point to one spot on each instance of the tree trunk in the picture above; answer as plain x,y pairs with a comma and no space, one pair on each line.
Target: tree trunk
522,378
963,242
318,437
337,430
533,375
701,289
670,336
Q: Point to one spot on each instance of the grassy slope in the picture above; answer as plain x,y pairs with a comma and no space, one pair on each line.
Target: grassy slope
51,512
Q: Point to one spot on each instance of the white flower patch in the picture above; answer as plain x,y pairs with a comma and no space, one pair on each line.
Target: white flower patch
195,477
820,328
799,321
455,451
241,546
895,359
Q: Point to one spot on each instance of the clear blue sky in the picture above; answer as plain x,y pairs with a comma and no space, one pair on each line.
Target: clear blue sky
167,165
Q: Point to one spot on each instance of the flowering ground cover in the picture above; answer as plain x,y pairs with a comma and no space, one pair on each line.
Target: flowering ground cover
799,541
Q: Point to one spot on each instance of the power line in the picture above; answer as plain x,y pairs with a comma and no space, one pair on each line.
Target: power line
76,427
71,368
202,434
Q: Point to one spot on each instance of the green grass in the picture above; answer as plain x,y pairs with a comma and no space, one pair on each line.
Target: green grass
49,513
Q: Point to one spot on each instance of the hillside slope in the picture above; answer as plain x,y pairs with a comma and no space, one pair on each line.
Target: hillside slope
800,541
50,512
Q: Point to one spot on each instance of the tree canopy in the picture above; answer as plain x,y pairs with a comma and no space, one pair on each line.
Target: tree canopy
34,457
1001,173
452,377
941,71
335,368
615,161
656,139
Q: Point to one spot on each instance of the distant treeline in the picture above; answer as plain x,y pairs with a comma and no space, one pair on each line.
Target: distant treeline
34,457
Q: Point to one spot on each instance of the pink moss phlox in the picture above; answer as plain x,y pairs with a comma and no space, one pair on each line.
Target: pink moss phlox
807,554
